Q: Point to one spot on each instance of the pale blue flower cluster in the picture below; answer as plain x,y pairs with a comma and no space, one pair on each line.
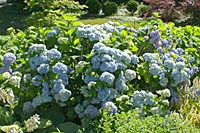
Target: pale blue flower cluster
142,98
108,78
130,74
179,76
155,69
39,99
27,107
37,48
170,64
156,110
120,82
60,68
110,106
155,36
93,33
91,111
43,69
8,59
150,56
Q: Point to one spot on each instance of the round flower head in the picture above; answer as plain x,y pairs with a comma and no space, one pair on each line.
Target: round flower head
64,95
192,59
180,51
134,59
130,74
149,57
43,69
146,38
91,111
180,65
164,43
95,61
53,54
155,69
163,82
27,107
108,78
60,68
170,64
8,59
179,40
160,50
156,110
110,107
37,48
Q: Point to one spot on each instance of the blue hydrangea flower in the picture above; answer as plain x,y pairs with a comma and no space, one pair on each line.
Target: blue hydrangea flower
84,91
45,89
108,78
64,95
43,69
36,81
164,43
170,64
156,110
192,59
91,111
43,58
37,101
64,78
155,69
179,77
79,109
95,61
120,83
180,51
134,59
105,58
179,59
89,79
149,57
27,107
180,65
160,50
108,66
163,82
34,62
146,38
53,54
130,74
110,106
57,86
46,98
37,48
103,94
60,68
5,69
160,63
120,66
8,59
179,40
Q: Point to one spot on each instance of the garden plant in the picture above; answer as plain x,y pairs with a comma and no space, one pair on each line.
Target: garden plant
71,77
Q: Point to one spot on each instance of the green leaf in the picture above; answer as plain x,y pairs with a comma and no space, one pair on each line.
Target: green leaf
68,127
191,49
155,14
132,46
54,114
44,123
77,23
171,24
71,31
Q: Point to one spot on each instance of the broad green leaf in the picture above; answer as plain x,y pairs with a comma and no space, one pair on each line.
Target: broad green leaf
155,14
68,127
77,23
191,49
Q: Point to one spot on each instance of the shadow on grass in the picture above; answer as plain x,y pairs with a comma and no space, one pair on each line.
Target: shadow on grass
12,15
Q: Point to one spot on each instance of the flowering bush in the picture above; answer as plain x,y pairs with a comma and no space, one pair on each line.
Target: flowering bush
78,71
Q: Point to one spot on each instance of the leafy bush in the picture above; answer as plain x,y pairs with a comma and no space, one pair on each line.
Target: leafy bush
94,6
142,9
167,9
132,121
132,6
110,8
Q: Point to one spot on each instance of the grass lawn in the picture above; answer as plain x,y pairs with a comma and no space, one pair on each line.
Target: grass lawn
94,21
12,16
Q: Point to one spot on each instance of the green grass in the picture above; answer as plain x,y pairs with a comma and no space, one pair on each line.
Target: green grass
94,21
12,15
